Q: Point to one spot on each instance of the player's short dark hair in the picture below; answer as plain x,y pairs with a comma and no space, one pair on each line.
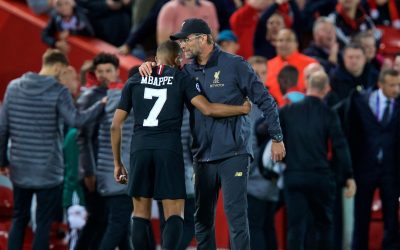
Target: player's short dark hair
387,72
169,47
354,45
288,77
104,58
53,56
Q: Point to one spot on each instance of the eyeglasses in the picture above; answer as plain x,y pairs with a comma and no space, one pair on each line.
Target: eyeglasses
186,40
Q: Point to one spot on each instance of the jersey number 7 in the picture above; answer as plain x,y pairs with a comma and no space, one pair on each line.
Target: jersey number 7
149,93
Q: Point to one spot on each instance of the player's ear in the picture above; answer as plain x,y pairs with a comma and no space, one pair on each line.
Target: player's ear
178,60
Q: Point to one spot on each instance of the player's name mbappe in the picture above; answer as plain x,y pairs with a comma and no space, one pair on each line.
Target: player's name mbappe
157,81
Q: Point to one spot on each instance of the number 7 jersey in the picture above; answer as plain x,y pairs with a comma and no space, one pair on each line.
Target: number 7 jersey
157,103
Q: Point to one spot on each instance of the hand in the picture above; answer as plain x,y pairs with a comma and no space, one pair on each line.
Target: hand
333,53
278,151
90,183
63,35
146,68
5,171
104,100
350,189
246,106
120,173
63,46
124,49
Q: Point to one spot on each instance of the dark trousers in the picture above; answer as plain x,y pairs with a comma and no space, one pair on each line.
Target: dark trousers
188,226
388,188
118,232
261,216
231,175
305,194
47,203
93,231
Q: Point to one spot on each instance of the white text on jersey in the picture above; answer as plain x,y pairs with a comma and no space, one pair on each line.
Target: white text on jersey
157,81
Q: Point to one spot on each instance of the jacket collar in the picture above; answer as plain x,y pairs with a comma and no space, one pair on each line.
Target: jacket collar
212,61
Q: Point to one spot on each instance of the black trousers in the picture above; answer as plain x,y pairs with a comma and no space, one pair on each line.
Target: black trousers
261,216
48,200
305,194
231,175
118,232
93,231
388,188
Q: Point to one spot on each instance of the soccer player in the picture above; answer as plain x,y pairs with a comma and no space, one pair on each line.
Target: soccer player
157,169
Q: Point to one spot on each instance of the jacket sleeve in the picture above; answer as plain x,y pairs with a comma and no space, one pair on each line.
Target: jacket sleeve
261,28
49,32
4,135
70,113
340,148
252,87
87,158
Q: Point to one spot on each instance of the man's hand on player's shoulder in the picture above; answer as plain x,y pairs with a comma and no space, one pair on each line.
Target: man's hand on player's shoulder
146,68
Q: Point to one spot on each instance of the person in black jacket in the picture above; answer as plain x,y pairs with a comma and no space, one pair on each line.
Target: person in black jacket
371,122
68,19
309,181
353,72
324,46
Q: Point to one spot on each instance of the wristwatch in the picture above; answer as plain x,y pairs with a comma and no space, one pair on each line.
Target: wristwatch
277,138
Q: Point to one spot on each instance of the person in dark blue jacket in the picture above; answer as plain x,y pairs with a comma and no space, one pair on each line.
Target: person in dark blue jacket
371,123
222,150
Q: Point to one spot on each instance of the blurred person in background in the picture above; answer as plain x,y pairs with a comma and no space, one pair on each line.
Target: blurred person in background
111,19
309,180
67,19
266,33
324,46
287,53
175,12
353,72
349,19
384,12
33,106
371,121
243,23
228,42
106,70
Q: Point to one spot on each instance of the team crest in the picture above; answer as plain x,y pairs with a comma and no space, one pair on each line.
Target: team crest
216,77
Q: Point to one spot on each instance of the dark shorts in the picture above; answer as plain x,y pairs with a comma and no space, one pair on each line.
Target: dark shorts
157,174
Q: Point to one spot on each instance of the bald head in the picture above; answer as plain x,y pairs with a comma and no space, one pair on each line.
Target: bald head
318,84
311,68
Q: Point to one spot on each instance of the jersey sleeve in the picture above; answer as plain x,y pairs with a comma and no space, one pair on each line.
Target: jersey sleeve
125,102
190,88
